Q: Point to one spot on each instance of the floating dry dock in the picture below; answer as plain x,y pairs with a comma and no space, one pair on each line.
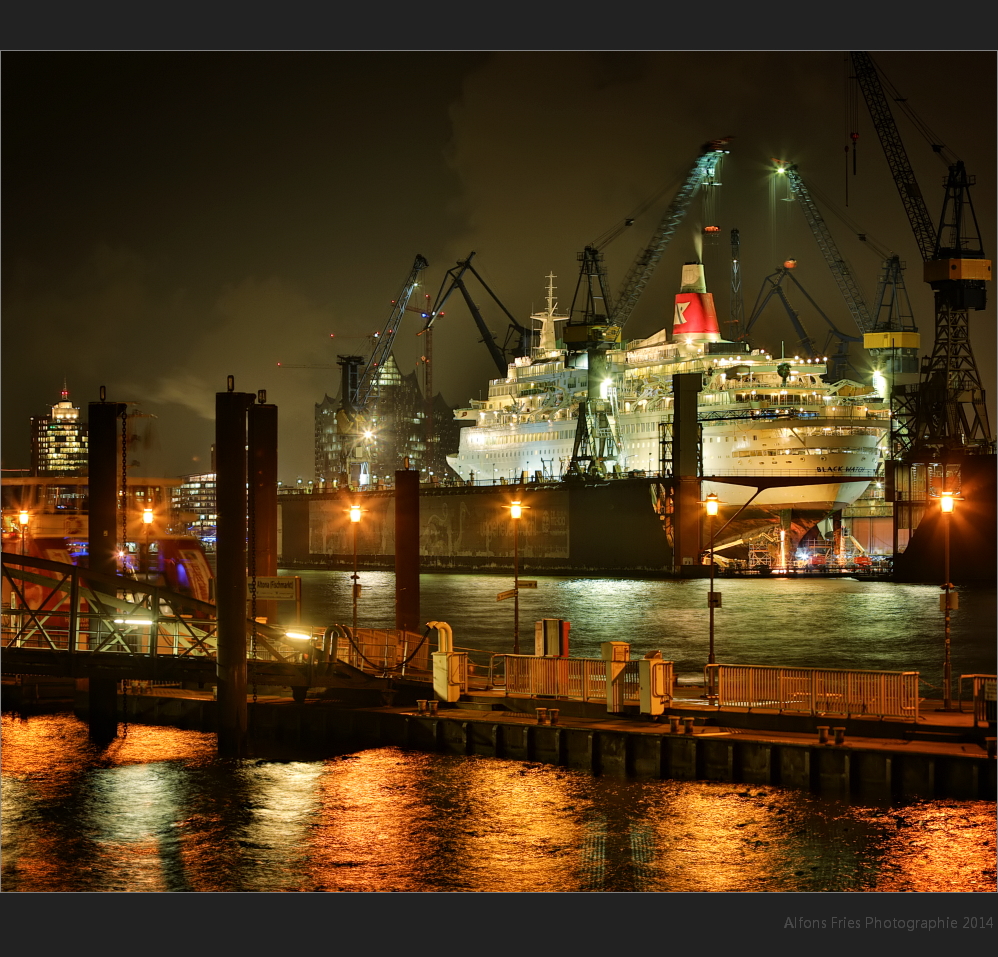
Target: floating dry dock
942,755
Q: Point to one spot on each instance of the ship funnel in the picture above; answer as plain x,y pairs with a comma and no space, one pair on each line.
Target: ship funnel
693,278
695,318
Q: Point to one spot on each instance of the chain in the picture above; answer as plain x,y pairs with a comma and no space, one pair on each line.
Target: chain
124,708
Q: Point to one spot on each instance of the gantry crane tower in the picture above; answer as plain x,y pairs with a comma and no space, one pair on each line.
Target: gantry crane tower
596,320
889,336
946,412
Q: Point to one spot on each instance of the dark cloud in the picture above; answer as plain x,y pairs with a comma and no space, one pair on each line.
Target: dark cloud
173,218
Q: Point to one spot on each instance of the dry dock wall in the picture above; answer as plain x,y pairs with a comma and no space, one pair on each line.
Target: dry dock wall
876,772
465,528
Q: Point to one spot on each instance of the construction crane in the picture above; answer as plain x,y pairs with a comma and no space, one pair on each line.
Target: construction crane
454,279
946,412
596,320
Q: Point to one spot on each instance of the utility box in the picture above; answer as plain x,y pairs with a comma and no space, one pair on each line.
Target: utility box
447,674
551,637
615,651
655,681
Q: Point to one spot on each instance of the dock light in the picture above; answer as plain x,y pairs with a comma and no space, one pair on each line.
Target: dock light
947,499
355,511
711,504
23,518
515,512
297,636
147,516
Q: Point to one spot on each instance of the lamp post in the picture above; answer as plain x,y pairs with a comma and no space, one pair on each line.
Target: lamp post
146,522
946,501
515,511
710,504
23,519
355,521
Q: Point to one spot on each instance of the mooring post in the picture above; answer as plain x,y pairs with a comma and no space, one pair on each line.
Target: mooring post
686,474
103,526
263,495
407,550
230,603
103,478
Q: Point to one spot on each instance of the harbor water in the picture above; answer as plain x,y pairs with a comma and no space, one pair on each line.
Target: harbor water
157,810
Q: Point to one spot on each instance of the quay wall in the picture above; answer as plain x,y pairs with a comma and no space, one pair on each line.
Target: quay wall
863,769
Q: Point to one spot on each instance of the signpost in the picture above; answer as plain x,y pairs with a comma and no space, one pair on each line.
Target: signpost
503,595
279,588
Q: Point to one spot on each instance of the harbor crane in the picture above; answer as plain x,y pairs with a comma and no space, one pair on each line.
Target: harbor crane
520,334
891,353
946,411
773,286
596,320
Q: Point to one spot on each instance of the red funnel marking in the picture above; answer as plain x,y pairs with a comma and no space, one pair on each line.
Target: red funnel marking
695,315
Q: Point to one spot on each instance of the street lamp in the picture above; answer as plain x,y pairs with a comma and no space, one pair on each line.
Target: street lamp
355,511
713,598
515,512
146,522
23,518
946,502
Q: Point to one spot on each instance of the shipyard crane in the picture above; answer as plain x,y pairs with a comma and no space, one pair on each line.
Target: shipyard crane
891,352
596,320
367,386
454,279
737,318
947,410
773,286
600,316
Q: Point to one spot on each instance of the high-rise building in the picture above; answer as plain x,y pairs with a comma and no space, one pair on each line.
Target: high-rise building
194,507
59,440
362,448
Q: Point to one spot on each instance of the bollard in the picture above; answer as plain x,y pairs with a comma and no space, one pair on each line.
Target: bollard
673,724
822,734
421,704
553,715
840,735
432,705
688,722
542,715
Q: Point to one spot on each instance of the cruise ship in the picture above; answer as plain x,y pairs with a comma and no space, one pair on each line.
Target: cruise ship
762,417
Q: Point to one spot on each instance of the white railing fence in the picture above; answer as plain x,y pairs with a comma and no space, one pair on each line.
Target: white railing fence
576,679
818,690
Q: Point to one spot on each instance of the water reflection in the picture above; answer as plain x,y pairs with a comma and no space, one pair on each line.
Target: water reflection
77,818
829,623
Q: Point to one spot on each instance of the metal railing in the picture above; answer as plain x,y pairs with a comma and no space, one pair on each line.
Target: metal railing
577,679
818,691
984,697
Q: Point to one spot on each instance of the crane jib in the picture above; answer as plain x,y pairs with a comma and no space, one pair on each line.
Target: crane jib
703,170
383,347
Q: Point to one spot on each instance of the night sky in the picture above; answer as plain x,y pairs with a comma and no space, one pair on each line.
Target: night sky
173,218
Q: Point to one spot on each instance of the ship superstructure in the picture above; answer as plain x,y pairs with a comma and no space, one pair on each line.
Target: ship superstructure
761,416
